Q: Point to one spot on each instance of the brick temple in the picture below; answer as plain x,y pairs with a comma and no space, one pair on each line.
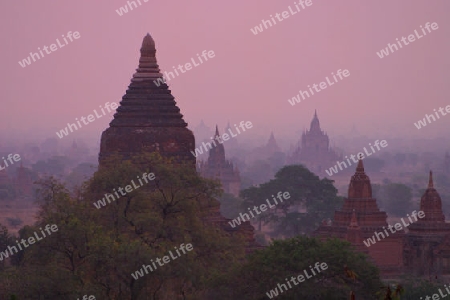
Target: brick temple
148,120
427,251
315,152
423,251
359,218
217,167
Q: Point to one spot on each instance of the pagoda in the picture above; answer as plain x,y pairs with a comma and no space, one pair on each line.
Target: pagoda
148,118
217,167
359,219
427,251
315,152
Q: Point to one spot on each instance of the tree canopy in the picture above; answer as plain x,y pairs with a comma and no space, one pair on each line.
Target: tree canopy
95,250
311,200
283,259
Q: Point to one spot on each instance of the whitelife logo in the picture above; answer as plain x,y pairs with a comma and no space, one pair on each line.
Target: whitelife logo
140,273
90,118
237,221
10,157
221,139
128,189
423,123
411,38
273,293
188,67
398,227
31,241
27,61
124,9
323,85
334,169
284,15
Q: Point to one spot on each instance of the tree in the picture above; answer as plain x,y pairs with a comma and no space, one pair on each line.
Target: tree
317,196
95,250
282,260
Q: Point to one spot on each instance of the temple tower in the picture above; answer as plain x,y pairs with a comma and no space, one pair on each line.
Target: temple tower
315,152
272,146
217,167
359,219
148,118
428,241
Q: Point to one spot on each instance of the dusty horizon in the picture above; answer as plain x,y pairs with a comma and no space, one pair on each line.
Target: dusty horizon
251,76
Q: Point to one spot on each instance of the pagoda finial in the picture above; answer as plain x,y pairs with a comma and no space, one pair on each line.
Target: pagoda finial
360,167
430,180
315,124
217,131
148,46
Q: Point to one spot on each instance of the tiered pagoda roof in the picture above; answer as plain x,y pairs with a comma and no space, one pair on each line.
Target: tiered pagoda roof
148,118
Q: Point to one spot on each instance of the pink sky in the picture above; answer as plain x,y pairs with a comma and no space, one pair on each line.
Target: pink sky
251,76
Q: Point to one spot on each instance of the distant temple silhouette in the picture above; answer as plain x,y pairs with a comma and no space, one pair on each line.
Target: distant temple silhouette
315,152
217,167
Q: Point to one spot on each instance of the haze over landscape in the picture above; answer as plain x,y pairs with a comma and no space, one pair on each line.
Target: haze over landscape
343,105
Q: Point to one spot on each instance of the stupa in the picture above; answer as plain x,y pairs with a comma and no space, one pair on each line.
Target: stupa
217,167
427,250
359,219
315,151
148,118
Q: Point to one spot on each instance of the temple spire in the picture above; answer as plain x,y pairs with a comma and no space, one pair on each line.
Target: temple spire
217,131
430,181
360,167
148,47
148,118
315,124
360,186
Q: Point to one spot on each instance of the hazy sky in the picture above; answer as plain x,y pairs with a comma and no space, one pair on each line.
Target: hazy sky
251,76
